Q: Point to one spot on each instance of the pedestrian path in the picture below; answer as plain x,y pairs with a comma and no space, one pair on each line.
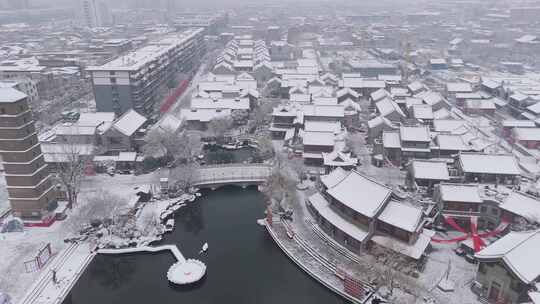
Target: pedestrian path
67,266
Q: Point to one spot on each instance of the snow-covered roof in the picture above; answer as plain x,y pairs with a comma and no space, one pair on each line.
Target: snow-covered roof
489,163
391,139
337,159
461,87
57,153
418,133
534,296
322,126
169,122
323,208
379,94
220,103
358,83
401,216
127,156
372,123
348,189
414,250
513,123
347,91
333,178
430,97
490,84
460,193
318,139
337,111
519,251
432,170
528,134
130,122
387,106
422,111
473,95
442,113
203,115
535,108
448,125
415,86
523,205
480,104
452,142
9,95
95,119
411,101
74,130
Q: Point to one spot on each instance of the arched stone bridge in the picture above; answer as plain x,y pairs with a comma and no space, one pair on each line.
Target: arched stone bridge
233,174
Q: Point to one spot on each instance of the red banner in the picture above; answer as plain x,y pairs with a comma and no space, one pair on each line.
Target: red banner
477,238
171,99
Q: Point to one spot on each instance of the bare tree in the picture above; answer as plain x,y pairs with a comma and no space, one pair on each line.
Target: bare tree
70,168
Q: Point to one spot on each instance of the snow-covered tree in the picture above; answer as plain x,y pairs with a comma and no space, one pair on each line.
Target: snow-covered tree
279,187
265,147
162,142
219,127
239,117
181,178
103,205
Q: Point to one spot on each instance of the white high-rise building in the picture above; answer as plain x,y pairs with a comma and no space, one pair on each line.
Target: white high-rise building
95,13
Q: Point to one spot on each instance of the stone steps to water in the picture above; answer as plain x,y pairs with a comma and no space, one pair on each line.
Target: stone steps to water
311,251
332,243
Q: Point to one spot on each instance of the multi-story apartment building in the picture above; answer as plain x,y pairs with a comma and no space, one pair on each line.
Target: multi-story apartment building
134,80
30,189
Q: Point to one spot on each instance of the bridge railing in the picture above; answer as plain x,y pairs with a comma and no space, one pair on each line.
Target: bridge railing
261,165
232,174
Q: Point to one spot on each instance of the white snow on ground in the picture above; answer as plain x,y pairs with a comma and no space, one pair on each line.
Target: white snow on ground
462,273
4,203
15,248
19,247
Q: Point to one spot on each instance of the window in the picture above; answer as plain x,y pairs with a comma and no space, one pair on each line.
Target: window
112,72
113,80
2,111
482,268
495,211
483,209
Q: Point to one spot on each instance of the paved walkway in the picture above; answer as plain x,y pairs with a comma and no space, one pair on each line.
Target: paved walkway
69,266
173,248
